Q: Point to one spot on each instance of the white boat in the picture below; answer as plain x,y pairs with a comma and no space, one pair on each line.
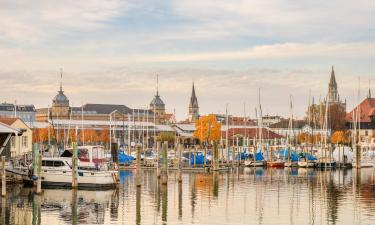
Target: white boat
251,163
57,172
366,160
306,164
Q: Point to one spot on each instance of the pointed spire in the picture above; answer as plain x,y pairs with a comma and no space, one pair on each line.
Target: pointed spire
332,81
369,89
61,76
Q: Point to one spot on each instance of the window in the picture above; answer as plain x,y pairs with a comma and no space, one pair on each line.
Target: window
13,142
24,141
366,133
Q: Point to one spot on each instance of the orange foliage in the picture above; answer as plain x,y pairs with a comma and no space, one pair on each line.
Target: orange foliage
104,136
207,128
91,136
340,137
307,138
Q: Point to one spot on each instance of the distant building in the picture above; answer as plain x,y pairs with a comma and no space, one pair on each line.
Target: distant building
193,107
362,117
333,96
21,144
157,106
298,127
24,112
267,120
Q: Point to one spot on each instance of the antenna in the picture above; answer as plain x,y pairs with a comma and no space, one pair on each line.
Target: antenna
157,84
61,72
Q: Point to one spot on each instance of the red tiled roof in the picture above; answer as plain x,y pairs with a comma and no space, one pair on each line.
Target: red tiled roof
367,109
252,133
7,120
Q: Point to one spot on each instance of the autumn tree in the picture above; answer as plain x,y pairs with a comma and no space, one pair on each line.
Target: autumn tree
166,136
91,136
309,139
336,116
207,129
340,137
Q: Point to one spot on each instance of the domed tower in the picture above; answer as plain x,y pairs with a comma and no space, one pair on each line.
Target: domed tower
193,106
157,105
60,104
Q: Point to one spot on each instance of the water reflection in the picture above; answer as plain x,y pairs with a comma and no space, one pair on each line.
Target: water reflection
243,196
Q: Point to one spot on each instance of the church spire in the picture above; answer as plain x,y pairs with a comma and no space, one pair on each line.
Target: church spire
332,81
369,89
193,106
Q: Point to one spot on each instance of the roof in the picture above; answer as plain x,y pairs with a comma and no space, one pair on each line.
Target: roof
193,99
157,102
252,133
8,120
103,108
285,124
61,99
332,80
20,108
4,128
366,108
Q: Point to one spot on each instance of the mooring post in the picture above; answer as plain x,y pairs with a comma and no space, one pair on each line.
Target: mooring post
358,157
158,159
164,171
39,174
233,155
138,178
195,156
215,156
3,178
205,157
180,148
75,166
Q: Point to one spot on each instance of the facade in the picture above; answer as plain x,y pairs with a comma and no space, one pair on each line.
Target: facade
362,119
24,112
21,144
298,127
267,120
193,107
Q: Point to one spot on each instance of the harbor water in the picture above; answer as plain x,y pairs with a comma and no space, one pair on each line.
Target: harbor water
240,196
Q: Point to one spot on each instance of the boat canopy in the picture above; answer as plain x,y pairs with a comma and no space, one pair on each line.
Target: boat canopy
284,153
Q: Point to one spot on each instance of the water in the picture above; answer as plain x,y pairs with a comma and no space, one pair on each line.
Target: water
268,196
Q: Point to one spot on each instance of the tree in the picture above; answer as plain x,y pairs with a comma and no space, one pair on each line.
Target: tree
91,136
309,139
336,115
207,129
104,136
166,136
340,137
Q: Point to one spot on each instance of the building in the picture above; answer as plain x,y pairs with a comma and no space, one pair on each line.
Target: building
157,106
267,120
6,133
362,119
193,107
24,112
21,144
333,95
298,127
61,110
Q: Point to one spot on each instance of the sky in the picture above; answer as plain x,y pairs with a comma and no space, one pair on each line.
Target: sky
111,51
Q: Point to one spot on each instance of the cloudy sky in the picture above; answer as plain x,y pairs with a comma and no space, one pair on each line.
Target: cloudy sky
111,51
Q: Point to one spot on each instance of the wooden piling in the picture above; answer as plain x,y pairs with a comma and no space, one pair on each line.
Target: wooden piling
215,156
138,168
158,159
180,149
164,169
3,178
358,157
39,174
75,166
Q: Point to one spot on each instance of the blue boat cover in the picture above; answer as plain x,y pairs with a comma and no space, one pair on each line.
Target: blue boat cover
124,158
293,156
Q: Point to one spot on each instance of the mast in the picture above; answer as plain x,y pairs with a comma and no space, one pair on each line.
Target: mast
82,130
226,132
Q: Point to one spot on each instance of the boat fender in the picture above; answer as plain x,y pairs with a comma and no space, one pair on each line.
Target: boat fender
33,178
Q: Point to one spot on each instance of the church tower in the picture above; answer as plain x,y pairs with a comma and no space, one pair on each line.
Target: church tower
193,106
60,104
157,105
333,96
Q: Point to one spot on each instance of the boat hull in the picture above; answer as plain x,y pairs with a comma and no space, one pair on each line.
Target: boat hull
276,164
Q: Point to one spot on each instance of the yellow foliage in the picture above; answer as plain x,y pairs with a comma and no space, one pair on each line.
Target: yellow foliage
207,129
340,137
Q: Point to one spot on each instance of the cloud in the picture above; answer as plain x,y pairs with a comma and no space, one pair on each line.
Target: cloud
24,21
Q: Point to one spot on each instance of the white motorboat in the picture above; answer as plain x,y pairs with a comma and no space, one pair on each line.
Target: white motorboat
58,172
306,164
251,163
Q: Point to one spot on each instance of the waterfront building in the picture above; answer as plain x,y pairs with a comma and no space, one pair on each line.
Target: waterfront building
24,112
298,127
267,120
193,107
362,119
21,144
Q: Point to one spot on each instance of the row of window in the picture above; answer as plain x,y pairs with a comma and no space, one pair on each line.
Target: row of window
24,141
